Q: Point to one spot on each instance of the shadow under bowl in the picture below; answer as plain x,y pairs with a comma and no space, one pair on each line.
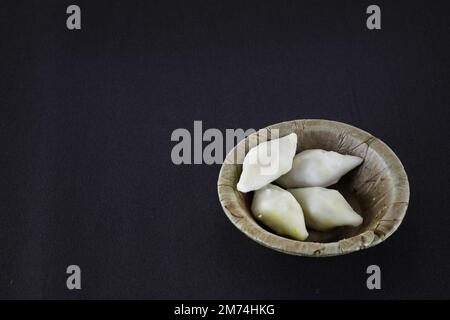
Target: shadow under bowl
378,189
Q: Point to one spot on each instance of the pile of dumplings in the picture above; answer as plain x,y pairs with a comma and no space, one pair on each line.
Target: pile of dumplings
299,198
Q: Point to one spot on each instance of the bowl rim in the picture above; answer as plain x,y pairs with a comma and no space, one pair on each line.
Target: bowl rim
228,197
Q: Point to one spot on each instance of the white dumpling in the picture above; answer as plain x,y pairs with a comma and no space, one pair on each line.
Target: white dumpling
267,162
325,209
278,209
318,168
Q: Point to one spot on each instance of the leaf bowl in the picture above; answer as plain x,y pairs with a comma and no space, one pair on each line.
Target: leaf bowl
378,189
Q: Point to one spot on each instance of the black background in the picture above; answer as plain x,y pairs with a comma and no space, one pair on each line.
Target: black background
86,117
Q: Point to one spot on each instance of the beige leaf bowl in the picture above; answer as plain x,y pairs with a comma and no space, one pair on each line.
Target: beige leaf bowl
378,189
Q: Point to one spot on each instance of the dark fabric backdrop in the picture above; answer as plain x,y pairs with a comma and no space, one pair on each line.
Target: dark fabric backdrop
86,117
